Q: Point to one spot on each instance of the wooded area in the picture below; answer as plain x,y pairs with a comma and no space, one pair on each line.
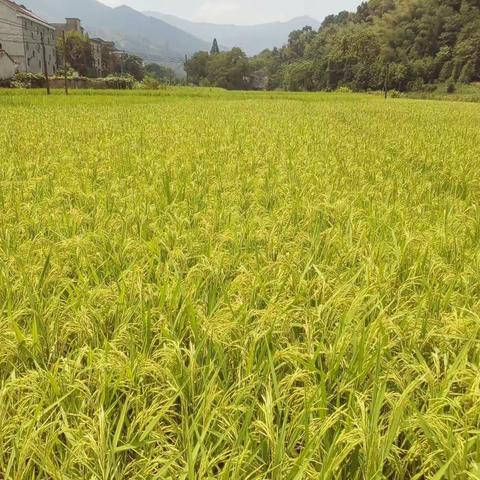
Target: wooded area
410,44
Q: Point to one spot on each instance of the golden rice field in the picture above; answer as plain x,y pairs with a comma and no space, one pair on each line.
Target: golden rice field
197,284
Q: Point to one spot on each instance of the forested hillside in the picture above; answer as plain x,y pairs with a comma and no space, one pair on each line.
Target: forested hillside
414,42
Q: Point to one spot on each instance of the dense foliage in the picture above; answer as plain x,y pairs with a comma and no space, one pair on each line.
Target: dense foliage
408,43
79,55
201,284
222,69
160,72
37,80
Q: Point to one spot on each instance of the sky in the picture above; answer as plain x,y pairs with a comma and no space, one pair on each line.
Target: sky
240,11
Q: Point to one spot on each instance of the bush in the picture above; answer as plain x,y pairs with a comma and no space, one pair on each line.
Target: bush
118,83
417,85
451,87
344,90
28,80
429,88
468,72
151,83
395,94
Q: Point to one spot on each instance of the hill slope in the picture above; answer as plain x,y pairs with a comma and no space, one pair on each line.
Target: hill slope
252,39
152,38
418,42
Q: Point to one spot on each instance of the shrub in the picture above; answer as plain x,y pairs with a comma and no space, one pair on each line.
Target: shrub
429,88
344,89
417,85
118,83
451,87
28,80
150,83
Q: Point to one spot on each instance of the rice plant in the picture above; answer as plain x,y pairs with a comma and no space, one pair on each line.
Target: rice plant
197,284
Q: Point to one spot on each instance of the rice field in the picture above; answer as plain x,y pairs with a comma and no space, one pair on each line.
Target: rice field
197,284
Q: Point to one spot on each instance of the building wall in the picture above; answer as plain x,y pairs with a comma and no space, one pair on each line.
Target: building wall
73,24
70,25
20,37
11,34
8,67
97,56
32,32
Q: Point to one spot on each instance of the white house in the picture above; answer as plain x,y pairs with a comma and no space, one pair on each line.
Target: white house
21,36
8,67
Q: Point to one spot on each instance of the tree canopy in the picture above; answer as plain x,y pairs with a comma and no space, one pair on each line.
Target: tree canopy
420,41
228,70
415,42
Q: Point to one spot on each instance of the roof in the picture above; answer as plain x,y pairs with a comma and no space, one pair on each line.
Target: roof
25,12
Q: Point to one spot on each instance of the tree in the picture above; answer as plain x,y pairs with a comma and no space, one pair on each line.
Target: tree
424,42
133,65
229,70
214,50
196,67
160,72
78,53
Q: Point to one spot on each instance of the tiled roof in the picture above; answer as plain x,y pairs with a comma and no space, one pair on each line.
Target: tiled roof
22,10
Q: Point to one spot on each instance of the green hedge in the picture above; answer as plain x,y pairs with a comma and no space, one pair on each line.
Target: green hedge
37,80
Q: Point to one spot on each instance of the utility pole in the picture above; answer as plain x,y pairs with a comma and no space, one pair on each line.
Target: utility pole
65,62
328,75
385,86
45,66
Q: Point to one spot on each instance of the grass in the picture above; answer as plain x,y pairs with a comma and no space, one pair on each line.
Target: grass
197,284
463,93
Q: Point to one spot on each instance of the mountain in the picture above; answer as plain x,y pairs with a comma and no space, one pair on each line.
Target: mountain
152,38
250,38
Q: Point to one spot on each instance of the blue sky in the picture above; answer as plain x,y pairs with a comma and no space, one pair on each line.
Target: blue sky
241,11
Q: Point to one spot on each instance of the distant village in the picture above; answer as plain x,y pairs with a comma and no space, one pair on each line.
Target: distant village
28,44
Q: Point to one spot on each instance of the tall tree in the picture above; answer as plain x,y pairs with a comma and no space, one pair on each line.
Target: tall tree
214,50
196,67
133,65
78,53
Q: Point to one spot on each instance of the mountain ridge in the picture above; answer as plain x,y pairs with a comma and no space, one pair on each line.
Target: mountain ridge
149,37
251,38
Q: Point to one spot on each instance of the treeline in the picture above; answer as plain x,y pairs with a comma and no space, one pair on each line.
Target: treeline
410,44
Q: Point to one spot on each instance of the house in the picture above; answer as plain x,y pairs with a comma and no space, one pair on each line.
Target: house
22,34
70,25
8,67
105,55
97,49
97,44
